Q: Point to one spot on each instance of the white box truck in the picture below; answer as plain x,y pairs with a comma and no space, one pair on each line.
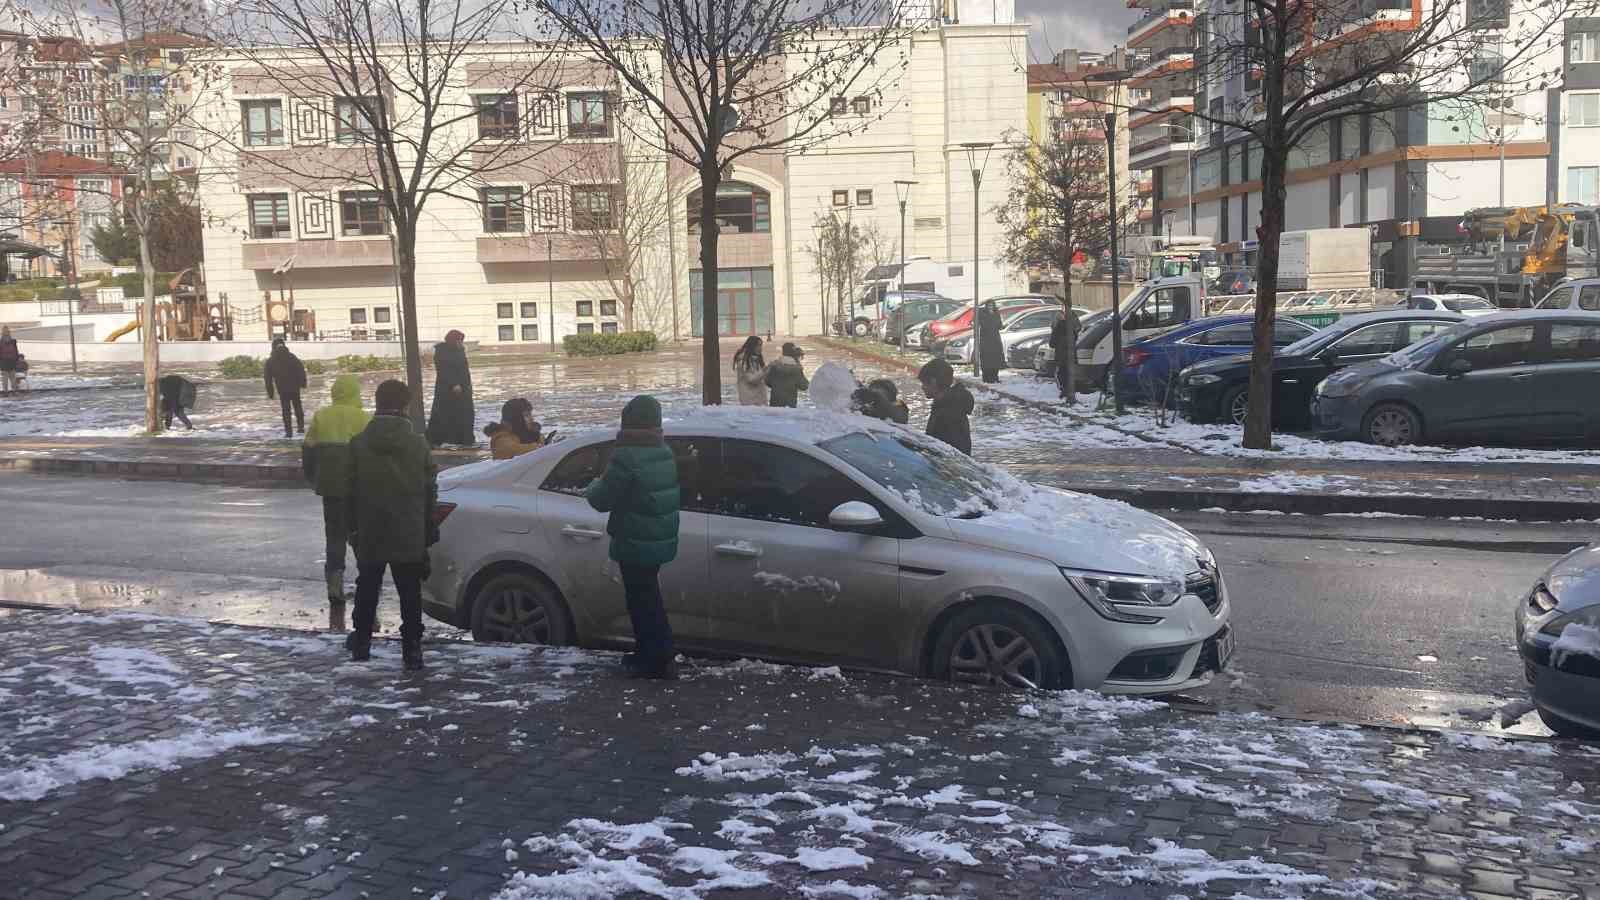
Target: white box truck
1324,259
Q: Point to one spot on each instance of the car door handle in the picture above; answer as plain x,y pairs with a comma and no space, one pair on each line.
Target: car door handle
742,551
581,534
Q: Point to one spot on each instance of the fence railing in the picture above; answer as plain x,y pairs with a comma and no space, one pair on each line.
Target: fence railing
1347,300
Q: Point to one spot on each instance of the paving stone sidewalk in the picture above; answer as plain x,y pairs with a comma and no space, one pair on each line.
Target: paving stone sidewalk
158,757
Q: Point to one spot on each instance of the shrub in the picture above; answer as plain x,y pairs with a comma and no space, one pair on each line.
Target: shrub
609,344
316,367
352,363
132,283
240,367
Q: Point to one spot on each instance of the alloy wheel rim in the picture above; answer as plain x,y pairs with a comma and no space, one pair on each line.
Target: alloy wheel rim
1391,428
995,655
517,617
1240,409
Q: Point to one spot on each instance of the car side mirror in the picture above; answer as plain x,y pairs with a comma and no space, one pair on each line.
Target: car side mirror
854,515
1458,368
1328,354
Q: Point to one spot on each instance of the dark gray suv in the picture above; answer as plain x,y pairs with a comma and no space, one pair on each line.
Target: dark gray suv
1517,377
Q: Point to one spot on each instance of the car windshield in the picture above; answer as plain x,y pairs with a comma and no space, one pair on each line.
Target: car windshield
1424,350
1457,305
1311,342
940,481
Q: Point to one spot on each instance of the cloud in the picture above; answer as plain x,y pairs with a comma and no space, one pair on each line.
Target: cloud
1082,24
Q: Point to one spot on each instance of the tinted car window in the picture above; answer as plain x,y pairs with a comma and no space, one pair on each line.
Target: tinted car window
1041,319
776,484
1385,337
582,466
1241,334
1509,346
1589,297
691,455
1416,331
1575,343
1287,331
1560,298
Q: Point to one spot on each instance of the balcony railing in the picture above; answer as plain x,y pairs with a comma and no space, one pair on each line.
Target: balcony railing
1164,62
1178,12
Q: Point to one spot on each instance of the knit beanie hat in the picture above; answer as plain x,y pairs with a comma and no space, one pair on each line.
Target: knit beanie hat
643,411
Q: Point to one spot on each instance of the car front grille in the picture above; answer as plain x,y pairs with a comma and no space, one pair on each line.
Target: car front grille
1204,585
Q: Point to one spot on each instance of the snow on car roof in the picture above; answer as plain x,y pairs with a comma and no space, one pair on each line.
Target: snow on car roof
804,425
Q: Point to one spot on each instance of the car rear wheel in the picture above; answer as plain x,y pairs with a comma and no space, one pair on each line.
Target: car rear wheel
1565,727
1236,405
999,645
1392,425
518,608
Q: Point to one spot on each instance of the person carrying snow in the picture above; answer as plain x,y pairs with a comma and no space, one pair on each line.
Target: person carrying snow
285,373
787,378
325,457
750,373
177,395
952,405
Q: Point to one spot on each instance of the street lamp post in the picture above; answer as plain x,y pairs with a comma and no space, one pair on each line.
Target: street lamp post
902,191
550,281
977,164
72,289
1116,262
822,275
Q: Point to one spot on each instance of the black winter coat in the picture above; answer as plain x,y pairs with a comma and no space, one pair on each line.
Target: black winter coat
949,422
284,373
989,346
451,419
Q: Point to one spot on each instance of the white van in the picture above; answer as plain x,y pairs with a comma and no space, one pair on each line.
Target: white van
1158,305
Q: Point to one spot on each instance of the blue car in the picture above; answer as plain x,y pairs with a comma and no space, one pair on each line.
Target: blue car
1149,365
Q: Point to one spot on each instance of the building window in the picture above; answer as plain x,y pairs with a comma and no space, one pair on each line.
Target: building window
1485,66
269,216
1488,13
263,122
589,114
497,116
380,315
838,106
585,309
530,310
740,209
586,328
1583,109
530,331
358,317
861,105
362,213
355,119
841,198
1583,185
1581,48
175,57
608,328
591,207
504,310
863,198
502,209
508,332
608,308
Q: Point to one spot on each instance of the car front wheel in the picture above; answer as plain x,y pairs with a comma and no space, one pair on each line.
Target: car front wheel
1392,425
1236,405
999,645
518,608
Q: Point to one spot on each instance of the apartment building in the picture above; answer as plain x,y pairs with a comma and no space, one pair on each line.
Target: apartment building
1574,170
56,200
1162,134
529,250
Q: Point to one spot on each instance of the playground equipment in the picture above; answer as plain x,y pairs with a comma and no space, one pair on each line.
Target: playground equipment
186,314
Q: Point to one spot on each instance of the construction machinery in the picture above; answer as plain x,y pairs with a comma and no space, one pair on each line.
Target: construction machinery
1513,256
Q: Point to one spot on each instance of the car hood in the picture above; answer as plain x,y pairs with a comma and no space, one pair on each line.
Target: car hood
1079,531
1575,578
1351,377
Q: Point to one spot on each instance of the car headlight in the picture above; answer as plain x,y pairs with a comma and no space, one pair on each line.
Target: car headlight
1541,599
1333,389
1202,379
1119,597
959,344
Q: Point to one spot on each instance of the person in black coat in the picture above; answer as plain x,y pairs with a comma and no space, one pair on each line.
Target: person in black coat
991,352
286,374
1064,341
451,419
952,405
177,394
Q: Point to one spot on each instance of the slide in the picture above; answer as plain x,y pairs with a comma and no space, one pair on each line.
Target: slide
131,326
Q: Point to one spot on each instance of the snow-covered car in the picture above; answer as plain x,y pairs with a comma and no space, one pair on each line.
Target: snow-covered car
1558,635
832,538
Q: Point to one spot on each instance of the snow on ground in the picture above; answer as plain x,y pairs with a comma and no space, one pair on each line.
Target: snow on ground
44,696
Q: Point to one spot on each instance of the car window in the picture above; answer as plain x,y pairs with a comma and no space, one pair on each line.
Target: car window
1457,304
1041,319
581,467
1560,298
1416,331
1589,297
1287,331
691,455
939,480
1574,343
776,484
1509,346
1162,309
1240,334
1422,303
1384,337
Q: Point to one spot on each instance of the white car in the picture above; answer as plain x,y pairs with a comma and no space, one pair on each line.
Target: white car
1465,304
831,538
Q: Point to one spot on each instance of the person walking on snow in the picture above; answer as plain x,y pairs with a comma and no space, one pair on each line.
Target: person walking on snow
285,373
177,395
750,373
952,405
516,433
991,351
326,460
787,377
9,356
391,489
451,419
640,492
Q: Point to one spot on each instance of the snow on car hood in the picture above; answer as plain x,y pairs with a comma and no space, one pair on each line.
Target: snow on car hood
1080,531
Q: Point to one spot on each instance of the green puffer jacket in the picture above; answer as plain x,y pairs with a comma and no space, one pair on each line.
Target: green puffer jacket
327,447
640,491
391,491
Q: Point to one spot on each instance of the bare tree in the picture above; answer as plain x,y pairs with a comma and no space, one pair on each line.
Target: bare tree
720,80
412,100
1305,66
842,254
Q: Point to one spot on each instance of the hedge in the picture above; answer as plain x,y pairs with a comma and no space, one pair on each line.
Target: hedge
316,367
352,363
609,344
240,367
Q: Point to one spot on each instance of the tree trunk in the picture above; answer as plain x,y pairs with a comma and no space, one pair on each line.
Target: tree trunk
1069,359
1258,422
405,247
710,350
152,350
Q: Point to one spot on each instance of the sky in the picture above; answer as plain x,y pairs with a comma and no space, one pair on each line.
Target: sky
1084,24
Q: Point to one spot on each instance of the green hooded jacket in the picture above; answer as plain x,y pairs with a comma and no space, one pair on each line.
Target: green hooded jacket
640,490
391,490
327,446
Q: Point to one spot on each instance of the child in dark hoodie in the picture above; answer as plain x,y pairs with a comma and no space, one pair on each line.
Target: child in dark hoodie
952,404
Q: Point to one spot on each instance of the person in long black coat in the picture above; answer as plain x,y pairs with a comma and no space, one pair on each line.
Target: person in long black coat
991,352
451,419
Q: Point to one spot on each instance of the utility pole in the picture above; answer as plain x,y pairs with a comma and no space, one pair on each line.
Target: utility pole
72,290
1116,263
550,281
977,165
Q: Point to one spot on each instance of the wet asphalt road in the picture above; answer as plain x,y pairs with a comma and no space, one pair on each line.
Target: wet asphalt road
1337,618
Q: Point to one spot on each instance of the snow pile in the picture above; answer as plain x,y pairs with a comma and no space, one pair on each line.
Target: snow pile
38,777
831,387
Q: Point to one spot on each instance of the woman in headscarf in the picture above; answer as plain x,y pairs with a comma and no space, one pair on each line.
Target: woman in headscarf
450,421
516,433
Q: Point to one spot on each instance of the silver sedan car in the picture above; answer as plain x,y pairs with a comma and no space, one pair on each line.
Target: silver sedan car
1558,635
817,537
